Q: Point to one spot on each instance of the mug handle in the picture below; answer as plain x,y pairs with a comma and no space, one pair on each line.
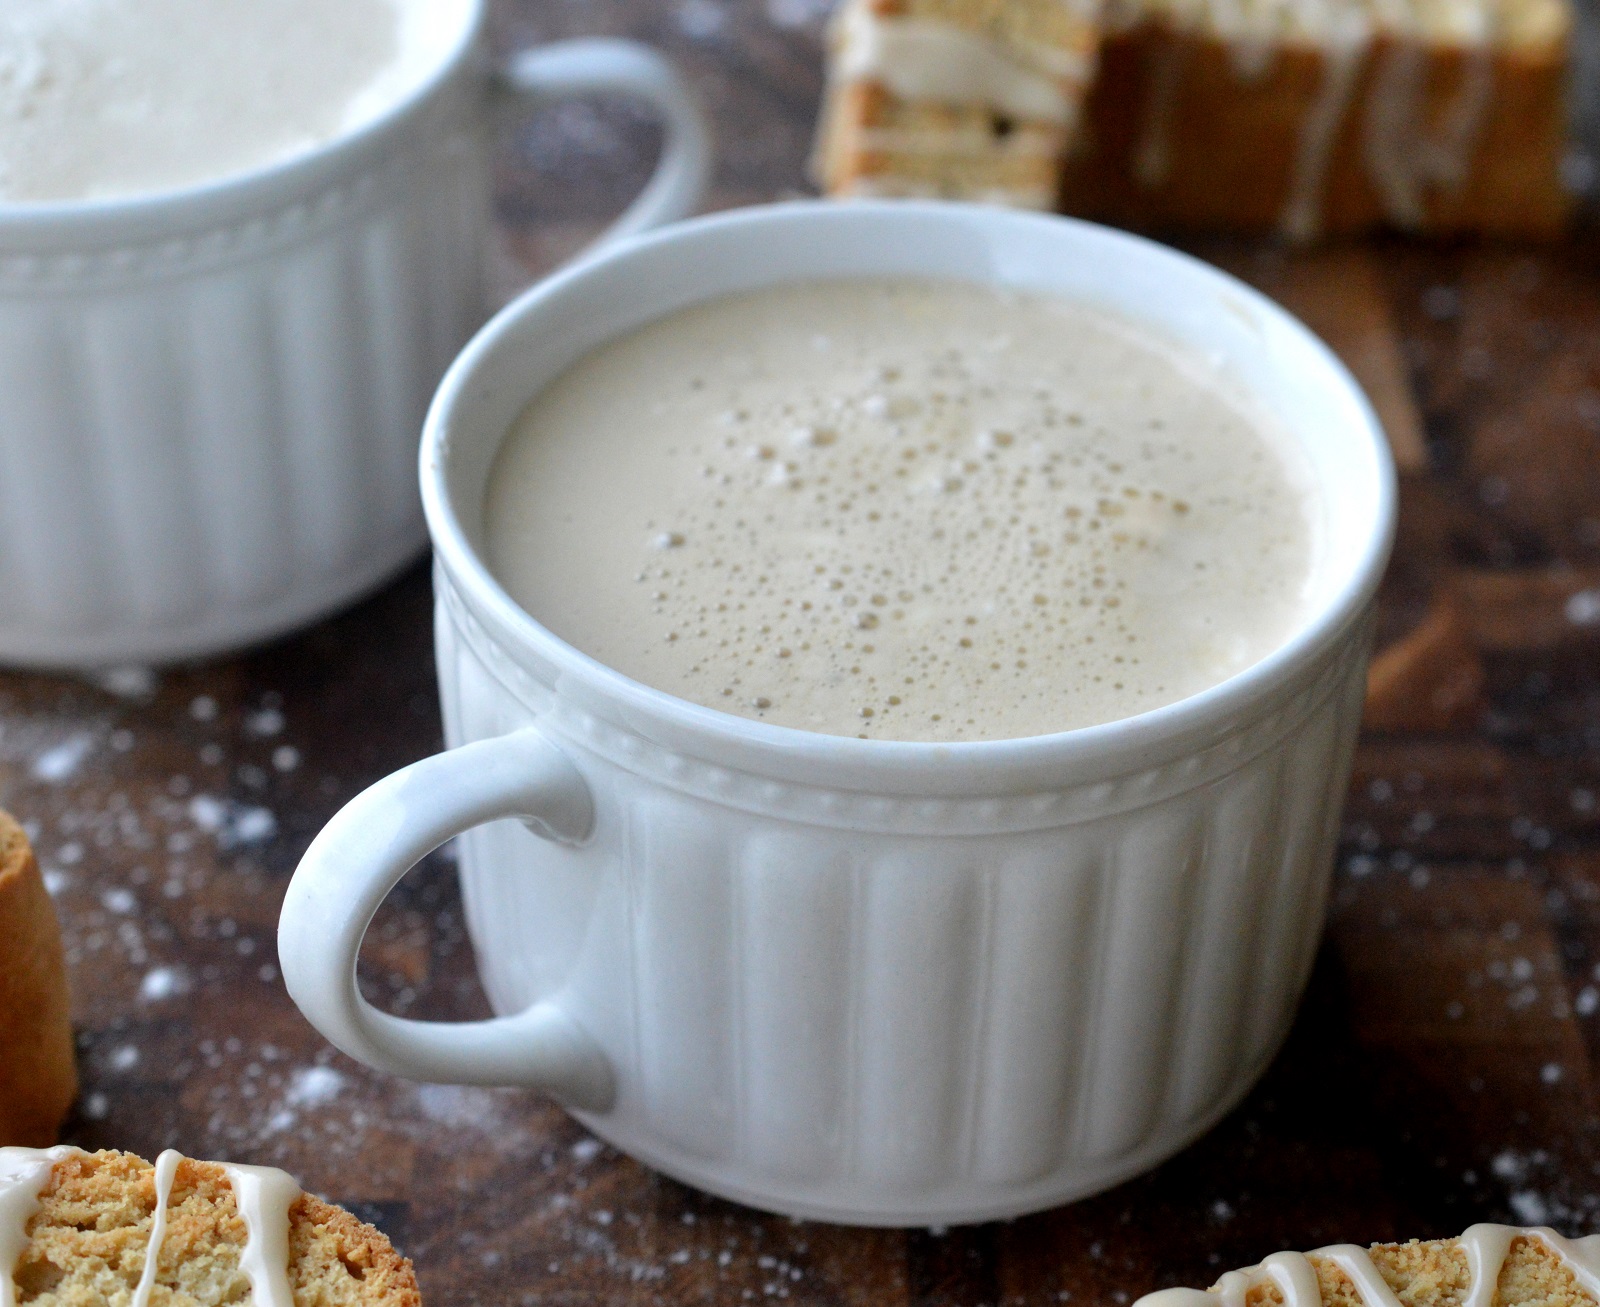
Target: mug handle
566,68
362,854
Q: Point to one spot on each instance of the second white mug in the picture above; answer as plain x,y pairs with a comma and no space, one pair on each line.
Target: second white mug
210,398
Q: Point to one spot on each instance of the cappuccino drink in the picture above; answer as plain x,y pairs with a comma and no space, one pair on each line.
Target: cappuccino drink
109,98
905,510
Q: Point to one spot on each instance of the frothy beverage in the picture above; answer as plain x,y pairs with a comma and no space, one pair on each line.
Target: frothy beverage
905,510
105,98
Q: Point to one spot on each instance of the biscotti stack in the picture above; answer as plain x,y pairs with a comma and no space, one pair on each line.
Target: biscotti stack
111,1230
37,1077
1488,1266
969,99
1305,117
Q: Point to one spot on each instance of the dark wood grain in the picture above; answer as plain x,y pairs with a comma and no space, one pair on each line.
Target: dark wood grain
1441,1071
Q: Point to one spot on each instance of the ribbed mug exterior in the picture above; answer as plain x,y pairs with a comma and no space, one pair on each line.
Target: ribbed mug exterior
876,1008
210,402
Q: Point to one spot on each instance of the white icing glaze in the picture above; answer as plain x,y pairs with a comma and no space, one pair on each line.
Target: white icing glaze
24,1173
166,1172
1402,159
1178,1298
263,1194
1391,133
1152,156
1319,131
1449,154
1358,1267
1486,1247
1251,43
921,59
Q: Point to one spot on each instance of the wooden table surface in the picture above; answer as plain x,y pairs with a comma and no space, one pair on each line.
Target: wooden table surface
1442,1068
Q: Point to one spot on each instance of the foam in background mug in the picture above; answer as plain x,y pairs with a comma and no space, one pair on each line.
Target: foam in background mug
864,980
210,395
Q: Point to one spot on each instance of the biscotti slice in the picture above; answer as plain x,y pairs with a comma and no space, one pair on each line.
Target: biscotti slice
1329,118
111,1230
955,99
1488,1266
37,1078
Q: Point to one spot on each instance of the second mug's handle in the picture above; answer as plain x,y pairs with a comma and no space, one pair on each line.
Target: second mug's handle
362,854
627,68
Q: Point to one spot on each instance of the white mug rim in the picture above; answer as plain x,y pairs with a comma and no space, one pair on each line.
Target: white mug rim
247,190
1204,714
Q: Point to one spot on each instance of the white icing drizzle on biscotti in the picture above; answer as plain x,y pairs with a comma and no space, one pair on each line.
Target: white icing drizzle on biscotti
923,59
1486,1247
263,1194
1404,159
166,1173
1152,156
24,1174
1320,128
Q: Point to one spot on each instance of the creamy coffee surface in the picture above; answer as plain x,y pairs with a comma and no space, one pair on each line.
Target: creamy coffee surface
103,98
904,510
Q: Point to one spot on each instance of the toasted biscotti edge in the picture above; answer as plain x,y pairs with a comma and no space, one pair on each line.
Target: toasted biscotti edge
319,1228
38,1078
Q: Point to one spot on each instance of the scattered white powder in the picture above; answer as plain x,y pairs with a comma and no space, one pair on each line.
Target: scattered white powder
461,1106
700,20
61,762
208,813
252,825
792,14
1530,1208
314,1086
119,900
163,983
264,722
232,823
1583,608
1509,1165
127,682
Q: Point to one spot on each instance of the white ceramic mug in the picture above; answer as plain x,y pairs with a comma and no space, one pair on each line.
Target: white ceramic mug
210,398
867,981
